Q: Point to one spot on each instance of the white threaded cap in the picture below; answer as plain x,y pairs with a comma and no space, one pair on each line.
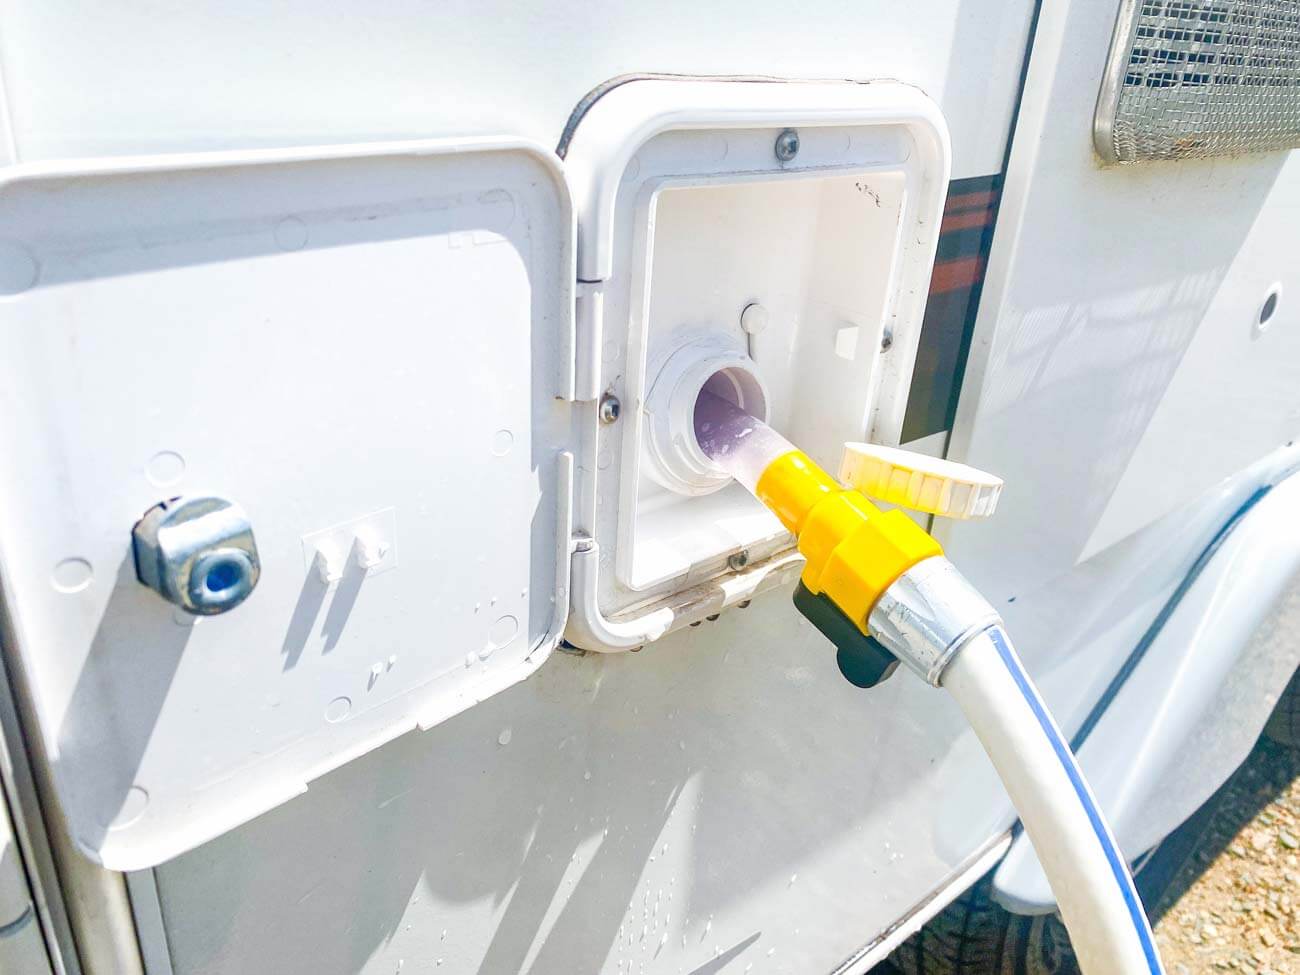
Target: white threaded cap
920,482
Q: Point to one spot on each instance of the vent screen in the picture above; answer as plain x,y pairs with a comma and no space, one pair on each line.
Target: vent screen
1189,79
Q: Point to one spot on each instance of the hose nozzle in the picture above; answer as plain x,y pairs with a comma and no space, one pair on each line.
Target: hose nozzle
875,583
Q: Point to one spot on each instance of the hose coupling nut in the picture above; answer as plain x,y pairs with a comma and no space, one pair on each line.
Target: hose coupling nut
928,614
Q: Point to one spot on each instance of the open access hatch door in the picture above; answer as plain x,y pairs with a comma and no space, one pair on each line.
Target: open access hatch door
367,349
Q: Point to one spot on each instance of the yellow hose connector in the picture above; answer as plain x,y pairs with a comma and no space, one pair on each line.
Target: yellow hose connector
854,550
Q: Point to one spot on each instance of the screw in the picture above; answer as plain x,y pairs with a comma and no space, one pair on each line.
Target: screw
787,145
739,560
610,408
887,339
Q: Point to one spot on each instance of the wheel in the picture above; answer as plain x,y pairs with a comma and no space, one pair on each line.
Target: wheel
974,936
1284,723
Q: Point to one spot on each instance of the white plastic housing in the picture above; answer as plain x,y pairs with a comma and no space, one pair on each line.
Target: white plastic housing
672,457
700,251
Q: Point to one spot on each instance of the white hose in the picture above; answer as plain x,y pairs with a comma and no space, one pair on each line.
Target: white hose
1092,883
1108,928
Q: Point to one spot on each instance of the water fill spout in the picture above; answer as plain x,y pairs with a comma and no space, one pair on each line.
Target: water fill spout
740,444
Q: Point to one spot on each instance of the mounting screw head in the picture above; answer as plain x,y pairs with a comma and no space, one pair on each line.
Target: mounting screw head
610,408
738,560
787,145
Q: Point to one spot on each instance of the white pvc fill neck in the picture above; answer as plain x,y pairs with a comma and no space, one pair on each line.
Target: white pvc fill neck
740,444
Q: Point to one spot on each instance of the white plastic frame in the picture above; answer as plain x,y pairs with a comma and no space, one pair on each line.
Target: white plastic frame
615,128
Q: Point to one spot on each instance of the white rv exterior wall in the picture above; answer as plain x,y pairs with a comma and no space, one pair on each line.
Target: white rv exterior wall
721,799
741,796
127,79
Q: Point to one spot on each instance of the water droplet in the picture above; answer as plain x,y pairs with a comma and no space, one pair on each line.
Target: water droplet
587,776
793,878
505,736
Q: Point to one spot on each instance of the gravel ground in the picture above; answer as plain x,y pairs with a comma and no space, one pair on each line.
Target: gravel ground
1234,904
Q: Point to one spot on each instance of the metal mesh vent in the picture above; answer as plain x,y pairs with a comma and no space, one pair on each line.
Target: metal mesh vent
1195,78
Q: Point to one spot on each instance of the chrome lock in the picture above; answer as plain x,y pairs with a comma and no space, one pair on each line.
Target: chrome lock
198,553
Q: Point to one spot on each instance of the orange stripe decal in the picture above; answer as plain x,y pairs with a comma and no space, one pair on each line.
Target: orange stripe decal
955,275
971,201
960,221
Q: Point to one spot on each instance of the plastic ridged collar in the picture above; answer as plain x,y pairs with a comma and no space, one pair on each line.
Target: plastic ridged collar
920,482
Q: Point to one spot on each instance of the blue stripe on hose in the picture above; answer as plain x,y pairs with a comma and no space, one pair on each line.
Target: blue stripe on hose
1117,865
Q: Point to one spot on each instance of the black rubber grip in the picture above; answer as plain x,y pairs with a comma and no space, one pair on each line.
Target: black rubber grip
863,661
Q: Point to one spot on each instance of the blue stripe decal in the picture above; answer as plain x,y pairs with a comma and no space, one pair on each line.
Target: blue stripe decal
1117,865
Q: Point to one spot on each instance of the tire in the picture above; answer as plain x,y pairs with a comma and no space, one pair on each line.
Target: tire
1284,723
974,936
